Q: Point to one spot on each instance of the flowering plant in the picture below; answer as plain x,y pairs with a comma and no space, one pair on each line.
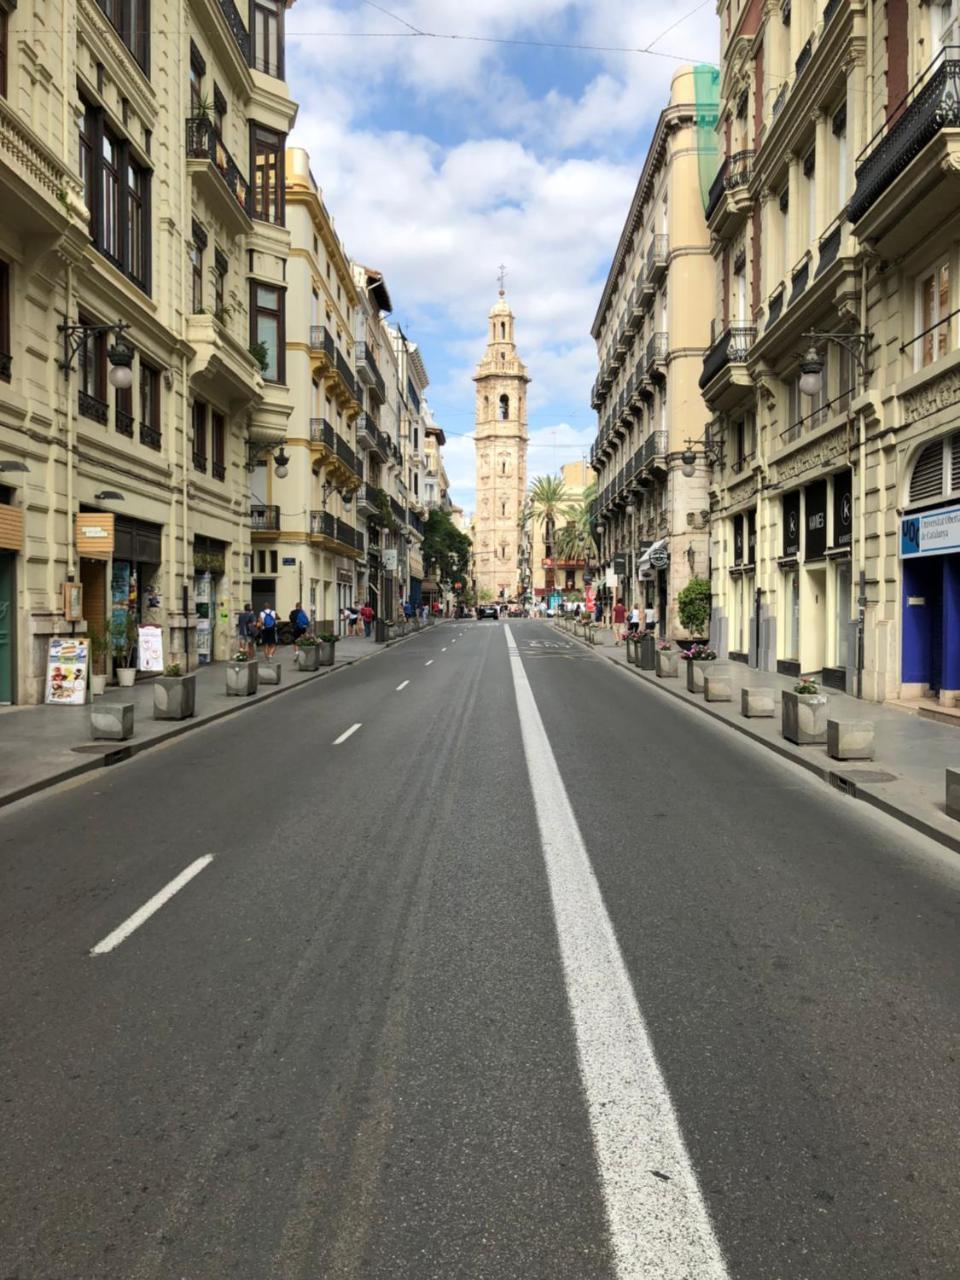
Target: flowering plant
664,645
240,656
806,684
699,653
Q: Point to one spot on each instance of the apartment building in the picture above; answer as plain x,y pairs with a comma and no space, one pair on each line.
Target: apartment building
556,569
142,303
651,509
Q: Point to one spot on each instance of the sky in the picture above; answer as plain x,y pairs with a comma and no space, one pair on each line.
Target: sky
440,159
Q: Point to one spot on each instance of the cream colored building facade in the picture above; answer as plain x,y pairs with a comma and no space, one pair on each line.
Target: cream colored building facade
142,178
501,456
567,575
652,520
836,229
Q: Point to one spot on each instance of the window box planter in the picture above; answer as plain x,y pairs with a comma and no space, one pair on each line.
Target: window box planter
804,717
668,664
242,678
174,697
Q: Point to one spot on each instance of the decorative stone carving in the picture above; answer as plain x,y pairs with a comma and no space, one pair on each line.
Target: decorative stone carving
814,455
941,393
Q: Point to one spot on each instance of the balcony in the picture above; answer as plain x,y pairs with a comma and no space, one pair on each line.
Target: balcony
346,375
743,463
657,354
905,173
724,379
322,524
123,423
322,343
150,436
42,198
217,174
237,27
803,58
646,289
366,432
415,522
657,256
322,433
655,450
347,457
348,535
366,499
779,101
367,370
90,407
264,520
399,511
634,311
730,201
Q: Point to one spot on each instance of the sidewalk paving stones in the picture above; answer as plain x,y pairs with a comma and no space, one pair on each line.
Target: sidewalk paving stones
42,746
911,753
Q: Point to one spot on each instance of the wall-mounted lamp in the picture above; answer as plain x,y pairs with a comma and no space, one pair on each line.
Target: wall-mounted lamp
120,355
255,455
812,363
712,452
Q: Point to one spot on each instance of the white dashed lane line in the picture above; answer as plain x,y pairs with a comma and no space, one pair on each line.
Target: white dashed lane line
124,930
402,686
349,734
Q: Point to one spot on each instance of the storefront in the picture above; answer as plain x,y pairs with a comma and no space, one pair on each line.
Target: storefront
135,573
743,581
11,542
930,637
214,632
841,655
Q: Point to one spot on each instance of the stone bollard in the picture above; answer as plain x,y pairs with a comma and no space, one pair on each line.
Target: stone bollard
717,688
953,793
757,703
269,672
112,721
850,739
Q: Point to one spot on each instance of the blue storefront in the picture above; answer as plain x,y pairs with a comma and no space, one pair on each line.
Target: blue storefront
930,556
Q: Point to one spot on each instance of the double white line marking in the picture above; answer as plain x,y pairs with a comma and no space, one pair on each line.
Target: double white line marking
658,1221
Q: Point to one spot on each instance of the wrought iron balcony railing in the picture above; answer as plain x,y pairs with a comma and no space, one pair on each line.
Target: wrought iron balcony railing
346,373
6,366
237,28
321,432
347,455
321,339
90,407
829,10
656,350
803,58
779,101
717,189
932,104
265,519
150,436
732,347
123,422
203,143
655,446
322,524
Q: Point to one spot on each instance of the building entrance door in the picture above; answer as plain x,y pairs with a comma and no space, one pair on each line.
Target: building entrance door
8,615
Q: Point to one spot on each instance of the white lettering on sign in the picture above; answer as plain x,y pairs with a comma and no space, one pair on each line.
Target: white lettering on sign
95,531
816,521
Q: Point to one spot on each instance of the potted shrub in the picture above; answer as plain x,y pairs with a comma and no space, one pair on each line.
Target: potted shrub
697,657
174,694
804,713
308,653
99,644
693,608
327,649
242,675
123,641
668,660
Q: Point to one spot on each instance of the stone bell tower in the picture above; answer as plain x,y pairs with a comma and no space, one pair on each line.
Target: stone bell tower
501,456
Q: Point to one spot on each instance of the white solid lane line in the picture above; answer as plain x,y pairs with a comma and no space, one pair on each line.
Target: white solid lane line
444,649
349,734
402,686
429,664
659,1225
146,911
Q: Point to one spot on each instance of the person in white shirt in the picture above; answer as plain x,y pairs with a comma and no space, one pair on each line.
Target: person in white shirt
649,617
634,620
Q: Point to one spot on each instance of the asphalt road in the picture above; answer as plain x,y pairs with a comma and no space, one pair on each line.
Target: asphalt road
381,1034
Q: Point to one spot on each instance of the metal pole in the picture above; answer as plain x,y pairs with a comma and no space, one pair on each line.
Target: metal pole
861,618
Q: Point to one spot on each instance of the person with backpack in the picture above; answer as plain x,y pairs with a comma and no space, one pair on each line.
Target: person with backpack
247,630
299,621
268,631
367,616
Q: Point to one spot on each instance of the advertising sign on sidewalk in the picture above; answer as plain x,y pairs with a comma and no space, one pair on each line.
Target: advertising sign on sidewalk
67,663
150,649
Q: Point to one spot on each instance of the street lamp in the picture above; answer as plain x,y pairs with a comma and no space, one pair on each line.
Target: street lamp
120,355
712,452
281,463
812,363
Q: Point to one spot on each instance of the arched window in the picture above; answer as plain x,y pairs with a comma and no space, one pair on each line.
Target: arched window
504,408
503,468
503,330
926,480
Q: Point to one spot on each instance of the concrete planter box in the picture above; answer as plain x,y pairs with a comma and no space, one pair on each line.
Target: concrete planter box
850,739
112,721
326,652
804,717
716,686
242,678
757,704
648,652
668,664
308,657
697,671
633,651
126,677
269,672
174,697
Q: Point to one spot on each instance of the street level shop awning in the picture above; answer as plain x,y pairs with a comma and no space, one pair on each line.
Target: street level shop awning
654,557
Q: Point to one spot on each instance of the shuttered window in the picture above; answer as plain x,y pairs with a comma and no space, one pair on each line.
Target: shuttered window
927,479
955,462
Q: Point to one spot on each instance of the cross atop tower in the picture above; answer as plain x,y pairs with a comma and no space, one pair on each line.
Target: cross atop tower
502,277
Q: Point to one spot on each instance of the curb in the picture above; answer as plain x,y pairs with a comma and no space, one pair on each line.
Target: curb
128,750
835,778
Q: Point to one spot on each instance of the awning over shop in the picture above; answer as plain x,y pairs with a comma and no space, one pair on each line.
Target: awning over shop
654,557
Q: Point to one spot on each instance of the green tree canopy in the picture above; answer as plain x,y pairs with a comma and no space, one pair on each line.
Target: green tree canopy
446,551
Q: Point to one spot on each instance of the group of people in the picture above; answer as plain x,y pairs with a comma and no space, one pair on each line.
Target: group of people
640,618
254,628
358,621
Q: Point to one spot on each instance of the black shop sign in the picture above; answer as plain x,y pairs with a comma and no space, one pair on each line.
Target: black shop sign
751,537
815,520
791,525
842,510
738,539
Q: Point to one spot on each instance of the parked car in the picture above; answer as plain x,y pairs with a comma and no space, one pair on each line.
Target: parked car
487,611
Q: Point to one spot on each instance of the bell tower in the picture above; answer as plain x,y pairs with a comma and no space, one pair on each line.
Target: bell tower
501,456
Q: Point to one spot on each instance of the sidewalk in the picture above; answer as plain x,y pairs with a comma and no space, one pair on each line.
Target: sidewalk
42,746
911,751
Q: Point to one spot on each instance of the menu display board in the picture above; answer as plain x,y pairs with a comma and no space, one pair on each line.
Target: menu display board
67,666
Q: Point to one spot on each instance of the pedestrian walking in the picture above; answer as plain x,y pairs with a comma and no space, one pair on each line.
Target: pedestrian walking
366,617
598,612
619,621
299,621
268,631
353,620
408,610
649,618
247,630
636,619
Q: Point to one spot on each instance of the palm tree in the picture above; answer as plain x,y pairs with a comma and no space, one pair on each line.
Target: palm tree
575,537
548,506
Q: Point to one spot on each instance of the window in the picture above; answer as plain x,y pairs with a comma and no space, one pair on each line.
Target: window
218,466
149,405
785,229
117,194
199,435
266,315
123,412
267,148
197,246
219,111
267,26
131,20
220,265
198,67
810,173
933,305
92,368
504,408
5,355
840,133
